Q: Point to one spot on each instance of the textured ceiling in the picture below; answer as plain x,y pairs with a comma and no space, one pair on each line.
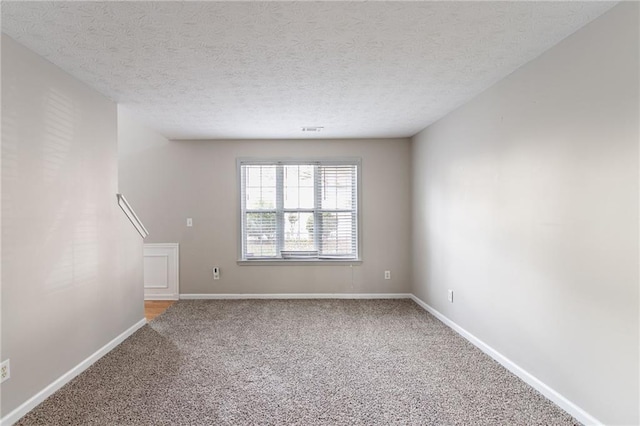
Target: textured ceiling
265,69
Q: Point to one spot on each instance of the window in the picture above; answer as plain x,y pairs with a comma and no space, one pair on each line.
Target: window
299,209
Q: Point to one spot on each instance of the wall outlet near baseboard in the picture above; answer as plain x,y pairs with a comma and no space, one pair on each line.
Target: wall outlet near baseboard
216,273
450,295
5,371
387,275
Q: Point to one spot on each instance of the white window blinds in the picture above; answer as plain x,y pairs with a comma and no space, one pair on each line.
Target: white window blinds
299,210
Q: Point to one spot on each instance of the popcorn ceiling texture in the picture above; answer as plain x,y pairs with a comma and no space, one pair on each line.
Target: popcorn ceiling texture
331,362
207,70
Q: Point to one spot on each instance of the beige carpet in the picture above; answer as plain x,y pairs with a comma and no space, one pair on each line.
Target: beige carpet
305,362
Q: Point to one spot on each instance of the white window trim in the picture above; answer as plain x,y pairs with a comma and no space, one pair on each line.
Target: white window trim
299,262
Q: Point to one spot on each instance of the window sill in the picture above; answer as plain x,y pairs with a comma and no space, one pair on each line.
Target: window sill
299,262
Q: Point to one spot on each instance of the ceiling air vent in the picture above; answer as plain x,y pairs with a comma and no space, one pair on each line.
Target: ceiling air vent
312,129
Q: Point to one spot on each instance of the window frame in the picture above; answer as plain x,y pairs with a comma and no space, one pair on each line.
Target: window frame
323,161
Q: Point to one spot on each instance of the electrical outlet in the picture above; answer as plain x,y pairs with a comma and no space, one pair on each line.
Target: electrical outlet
5,371
387,275
450,295
216,273
189,222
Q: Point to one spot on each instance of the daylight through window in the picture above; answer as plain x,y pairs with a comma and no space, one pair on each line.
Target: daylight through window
301,210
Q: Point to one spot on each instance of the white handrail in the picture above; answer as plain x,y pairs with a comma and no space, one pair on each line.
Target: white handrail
126,208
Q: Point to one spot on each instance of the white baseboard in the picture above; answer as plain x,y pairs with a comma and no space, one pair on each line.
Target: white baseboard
578,413
162,297
571,408
31,403
298,296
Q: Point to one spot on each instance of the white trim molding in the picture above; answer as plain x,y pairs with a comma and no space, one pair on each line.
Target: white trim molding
161,297
191,296
32,402
169,287
132,216
554,396
578,413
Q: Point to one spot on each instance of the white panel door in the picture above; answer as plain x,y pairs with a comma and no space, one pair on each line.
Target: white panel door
161,277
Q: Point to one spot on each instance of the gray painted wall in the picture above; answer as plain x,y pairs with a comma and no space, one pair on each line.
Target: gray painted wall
71,261
525,203
169,181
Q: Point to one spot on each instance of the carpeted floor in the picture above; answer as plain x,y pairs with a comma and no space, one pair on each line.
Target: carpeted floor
305,362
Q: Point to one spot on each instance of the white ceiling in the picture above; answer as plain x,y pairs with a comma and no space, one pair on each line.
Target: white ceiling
207,70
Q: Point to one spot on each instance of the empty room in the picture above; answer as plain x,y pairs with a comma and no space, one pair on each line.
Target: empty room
331,213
